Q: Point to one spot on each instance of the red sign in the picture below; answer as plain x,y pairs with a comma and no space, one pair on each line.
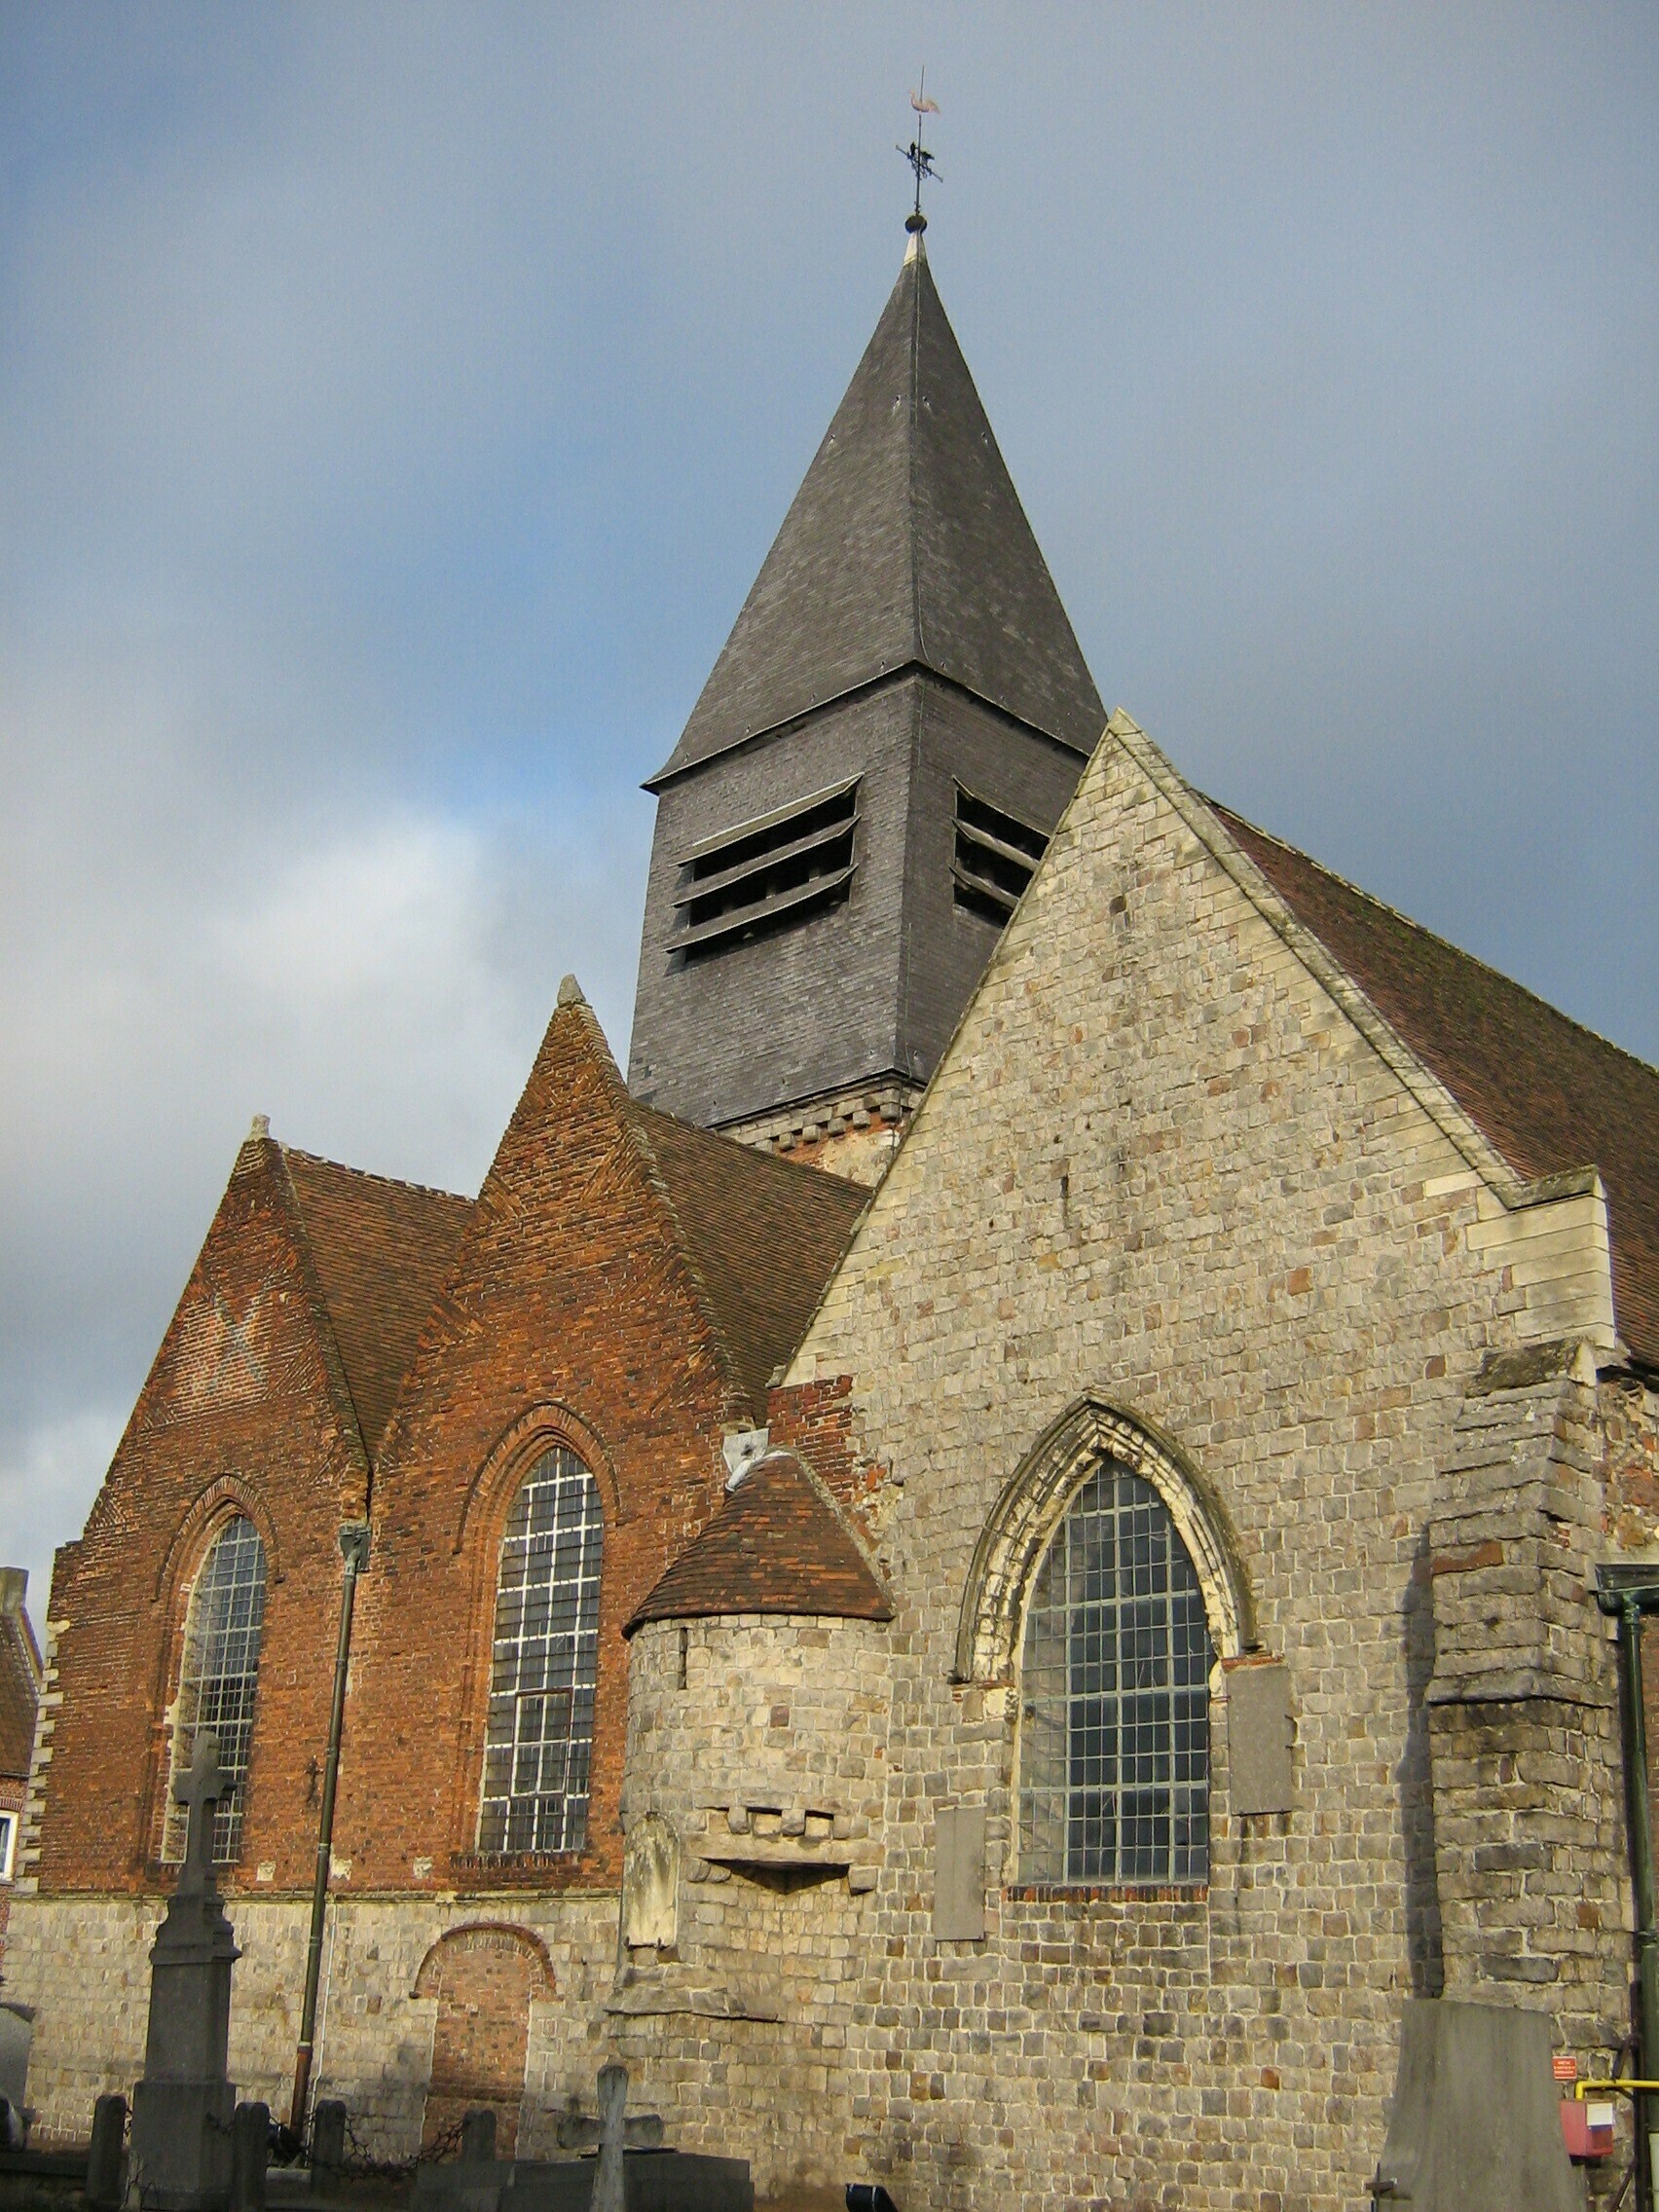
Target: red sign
1564,2069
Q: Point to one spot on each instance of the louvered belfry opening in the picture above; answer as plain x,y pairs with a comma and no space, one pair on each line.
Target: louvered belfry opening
769,872
868,776
994,859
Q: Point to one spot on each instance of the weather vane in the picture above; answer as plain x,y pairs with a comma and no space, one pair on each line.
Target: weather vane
917,155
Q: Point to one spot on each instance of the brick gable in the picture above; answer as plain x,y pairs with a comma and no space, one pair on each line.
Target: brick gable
624,1287
246,1408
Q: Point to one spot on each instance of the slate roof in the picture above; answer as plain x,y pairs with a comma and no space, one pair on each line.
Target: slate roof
1549,1094
382,1251
763,1235
905,545
20,1692
777,1545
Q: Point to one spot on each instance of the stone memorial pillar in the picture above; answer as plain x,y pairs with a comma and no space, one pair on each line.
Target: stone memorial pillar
183,2108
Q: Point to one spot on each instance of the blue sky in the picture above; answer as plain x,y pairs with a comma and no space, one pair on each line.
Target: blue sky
396,402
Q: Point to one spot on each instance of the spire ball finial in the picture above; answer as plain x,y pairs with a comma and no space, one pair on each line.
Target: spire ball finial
916,222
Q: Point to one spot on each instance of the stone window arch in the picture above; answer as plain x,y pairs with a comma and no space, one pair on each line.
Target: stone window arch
544,1661
219,1680
1105,1583
1114,1695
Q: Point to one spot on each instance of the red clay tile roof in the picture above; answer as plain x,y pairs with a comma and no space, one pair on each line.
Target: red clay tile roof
763,1234
19,1694
777,1545
1549,1094
382,1253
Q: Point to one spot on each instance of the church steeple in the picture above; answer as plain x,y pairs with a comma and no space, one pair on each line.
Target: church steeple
906,545
872,767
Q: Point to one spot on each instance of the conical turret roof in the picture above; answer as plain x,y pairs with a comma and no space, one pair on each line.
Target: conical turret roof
906,545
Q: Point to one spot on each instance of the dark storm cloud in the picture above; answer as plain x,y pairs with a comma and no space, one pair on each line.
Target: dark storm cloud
397,401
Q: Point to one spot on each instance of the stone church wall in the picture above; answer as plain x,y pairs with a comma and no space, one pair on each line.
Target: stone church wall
1162,1165
759,1747
85,1960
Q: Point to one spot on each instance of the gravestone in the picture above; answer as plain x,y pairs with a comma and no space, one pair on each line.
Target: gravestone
250,2152
632,2172
327,2142
106,2160
183,2108
959,1874
608,2191
1476,2122
478,2135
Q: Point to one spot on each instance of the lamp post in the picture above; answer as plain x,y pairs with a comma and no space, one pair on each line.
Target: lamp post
354,1551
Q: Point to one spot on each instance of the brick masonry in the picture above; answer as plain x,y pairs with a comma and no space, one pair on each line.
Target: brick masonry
244,1412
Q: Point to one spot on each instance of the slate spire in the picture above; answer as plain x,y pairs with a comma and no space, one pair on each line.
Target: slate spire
871,773
906,545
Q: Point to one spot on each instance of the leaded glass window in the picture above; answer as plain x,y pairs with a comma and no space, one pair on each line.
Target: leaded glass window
1114,1696
219,1679
539,1742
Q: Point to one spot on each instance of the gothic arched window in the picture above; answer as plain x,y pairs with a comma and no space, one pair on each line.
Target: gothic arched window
219,1678
539,1742
1114,1696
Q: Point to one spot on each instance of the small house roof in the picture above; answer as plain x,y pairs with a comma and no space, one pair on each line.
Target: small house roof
777,1545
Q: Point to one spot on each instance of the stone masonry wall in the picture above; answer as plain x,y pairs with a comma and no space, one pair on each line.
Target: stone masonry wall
1523,1719
85,1960
1161,1163
761,1745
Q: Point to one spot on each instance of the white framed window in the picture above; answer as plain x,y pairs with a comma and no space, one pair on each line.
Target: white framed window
538,1738
219,1680
7,1845
1115,1697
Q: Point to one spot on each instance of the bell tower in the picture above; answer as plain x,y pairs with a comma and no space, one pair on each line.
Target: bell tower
869,775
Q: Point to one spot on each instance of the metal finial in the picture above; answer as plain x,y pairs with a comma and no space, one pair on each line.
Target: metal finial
919,157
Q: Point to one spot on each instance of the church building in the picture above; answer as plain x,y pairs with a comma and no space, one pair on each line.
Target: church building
995,1569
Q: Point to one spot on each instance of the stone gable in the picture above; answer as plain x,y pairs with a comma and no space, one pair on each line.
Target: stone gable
1169,1161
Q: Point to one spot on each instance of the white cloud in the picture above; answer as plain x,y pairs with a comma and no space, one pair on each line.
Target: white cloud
394,405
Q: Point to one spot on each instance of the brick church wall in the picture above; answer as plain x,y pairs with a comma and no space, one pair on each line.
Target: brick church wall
572,1319
242,1413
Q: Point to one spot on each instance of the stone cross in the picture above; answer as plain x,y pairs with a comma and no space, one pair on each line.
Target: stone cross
610,2190
184,2109
201,1788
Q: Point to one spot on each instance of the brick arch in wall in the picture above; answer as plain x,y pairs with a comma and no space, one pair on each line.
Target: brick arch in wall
226,1498
515,1452
1033,1502
220,1501
478,1540
485,1978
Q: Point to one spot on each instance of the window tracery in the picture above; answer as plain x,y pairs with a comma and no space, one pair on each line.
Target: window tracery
538,1738
1114,1696
219,1681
